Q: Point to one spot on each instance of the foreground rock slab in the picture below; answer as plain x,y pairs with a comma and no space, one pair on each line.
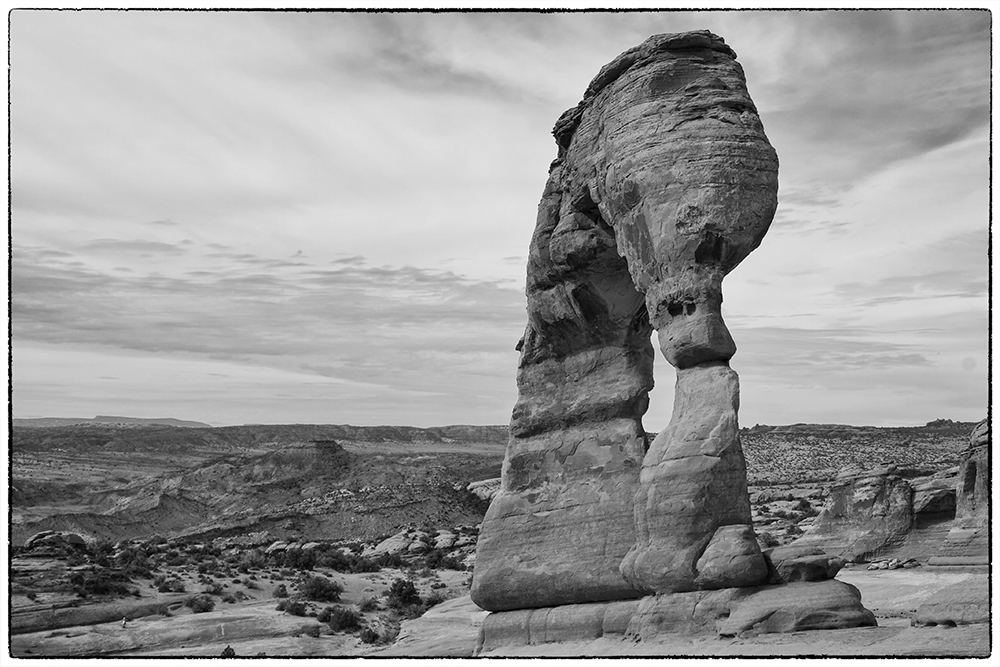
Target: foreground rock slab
724,612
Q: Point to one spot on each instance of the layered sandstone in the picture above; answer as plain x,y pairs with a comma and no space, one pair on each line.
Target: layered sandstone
664,182
967,542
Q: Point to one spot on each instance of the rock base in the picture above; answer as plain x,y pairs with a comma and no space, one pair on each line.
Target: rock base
964,546
820,605
964,603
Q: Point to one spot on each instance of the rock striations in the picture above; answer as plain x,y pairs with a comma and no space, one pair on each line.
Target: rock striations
664,182
968,541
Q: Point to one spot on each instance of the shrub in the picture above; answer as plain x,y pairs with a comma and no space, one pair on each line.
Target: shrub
343,619
97,583
200,604
312,631
293,607
281,591
434,598
369,636
369,604
767,540
212,589
402,593
321,589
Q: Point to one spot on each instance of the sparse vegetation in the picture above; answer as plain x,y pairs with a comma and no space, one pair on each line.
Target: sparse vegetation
341,619
321,589
200,604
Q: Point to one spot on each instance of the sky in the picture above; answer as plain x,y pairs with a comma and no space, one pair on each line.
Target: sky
260,217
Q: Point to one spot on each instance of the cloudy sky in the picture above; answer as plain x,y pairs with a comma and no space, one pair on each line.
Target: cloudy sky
324,217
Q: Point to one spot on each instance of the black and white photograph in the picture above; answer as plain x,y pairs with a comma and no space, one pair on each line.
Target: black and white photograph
608,331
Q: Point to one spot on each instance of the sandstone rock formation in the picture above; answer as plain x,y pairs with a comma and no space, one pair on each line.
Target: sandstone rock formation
723,612
663,184
868,512
968,541
973,493
962,603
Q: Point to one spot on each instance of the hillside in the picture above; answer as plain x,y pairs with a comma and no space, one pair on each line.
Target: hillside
323,481
342,481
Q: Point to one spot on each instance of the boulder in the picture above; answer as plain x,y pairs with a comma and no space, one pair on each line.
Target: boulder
278,545
58,540
794,607
397,544
663,183
485,489
444,540
791,563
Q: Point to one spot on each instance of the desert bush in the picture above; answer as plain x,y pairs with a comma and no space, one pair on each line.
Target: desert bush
402,593
369,636
433,599
312,631
98,582
299,559
31,595
293,607
389,560
165,585
281,591
212,589
369,604
343,619
767,540
252,585
321,589
411,611
439,559
200,604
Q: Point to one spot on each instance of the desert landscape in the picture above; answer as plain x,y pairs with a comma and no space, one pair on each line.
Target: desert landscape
304,219
309,564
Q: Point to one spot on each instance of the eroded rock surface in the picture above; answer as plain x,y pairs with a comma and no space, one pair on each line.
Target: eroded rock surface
967,542
868,512
664,182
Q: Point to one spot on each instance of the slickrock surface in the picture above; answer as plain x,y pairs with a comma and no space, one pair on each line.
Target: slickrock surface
725,612
963,603
664,183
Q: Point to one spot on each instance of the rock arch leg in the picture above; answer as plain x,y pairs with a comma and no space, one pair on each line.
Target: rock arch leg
563,520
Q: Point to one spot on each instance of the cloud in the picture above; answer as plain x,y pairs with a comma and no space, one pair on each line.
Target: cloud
331,198
370,320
